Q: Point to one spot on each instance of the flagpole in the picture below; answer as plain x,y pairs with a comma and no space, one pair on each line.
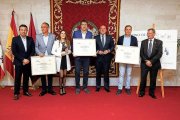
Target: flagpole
12,2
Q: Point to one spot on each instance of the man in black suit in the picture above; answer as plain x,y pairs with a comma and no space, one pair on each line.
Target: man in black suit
22,48
151,52
104,47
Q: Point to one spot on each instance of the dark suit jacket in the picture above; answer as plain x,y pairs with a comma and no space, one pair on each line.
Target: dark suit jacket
133,41
155,55
18,49
109,45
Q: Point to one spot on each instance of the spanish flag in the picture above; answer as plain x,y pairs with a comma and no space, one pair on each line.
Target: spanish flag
8,58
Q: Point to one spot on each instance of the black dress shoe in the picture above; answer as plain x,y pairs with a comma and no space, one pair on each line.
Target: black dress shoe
141,95
64,91
119,91
107,90
153,96
128,91
86,90
52,92
27,94
16,97
97,89
42,93
77,91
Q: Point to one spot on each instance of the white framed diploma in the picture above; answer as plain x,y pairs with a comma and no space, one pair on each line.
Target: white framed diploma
43,65
127,54
84,47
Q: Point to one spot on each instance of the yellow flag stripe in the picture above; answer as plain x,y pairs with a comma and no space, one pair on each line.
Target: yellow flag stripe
8,52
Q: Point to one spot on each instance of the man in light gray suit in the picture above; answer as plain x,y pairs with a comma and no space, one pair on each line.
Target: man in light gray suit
43,47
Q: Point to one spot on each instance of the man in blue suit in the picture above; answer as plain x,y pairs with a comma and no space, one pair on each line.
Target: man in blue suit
126,40
83,33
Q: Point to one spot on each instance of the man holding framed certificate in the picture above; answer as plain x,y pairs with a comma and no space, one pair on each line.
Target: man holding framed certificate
81,61
43,47
126,40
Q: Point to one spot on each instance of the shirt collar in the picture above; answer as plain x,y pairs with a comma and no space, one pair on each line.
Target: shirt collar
102,35
44,35
151,39
83,32
127,36
23,37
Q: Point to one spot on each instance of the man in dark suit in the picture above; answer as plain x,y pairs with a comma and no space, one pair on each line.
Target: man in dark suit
151,52
83,33
104,47
22,48
126,40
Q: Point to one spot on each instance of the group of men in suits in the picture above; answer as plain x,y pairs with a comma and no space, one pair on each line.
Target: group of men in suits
23,47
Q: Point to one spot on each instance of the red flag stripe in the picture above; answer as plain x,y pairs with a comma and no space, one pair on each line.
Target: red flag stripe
2,73
13,25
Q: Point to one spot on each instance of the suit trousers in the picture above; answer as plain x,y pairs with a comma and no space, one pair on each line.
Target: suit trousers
102,67
153,77
44,84
84,63
26,71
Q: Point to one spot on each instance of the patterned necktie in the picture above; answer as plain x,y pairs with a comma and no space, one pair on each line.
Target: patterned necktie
102,40
149,48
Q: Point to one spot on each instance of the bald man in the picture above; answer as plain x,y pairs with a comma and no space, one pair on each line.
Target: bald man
104,47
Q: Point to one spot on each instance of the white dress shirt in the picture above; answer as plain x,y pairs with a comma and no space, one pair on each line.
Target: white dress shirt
24,42
45,38
84,35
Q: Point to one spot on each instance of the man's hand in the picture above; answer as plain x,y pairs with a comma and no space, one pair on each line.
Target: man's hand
148,63
25,61
41,55
100,52
66,50
106,52
63,53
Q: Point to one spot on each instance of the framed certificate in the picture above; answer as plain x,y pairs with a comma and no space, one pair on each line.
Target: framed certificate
128,55
84,47
43,65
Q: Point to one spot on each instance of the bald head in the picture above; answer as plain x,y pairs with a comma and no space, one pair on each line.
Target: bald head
102,29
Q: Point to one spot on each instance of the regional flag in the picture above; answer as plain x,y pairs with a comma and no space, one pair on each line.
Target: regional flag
32,33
